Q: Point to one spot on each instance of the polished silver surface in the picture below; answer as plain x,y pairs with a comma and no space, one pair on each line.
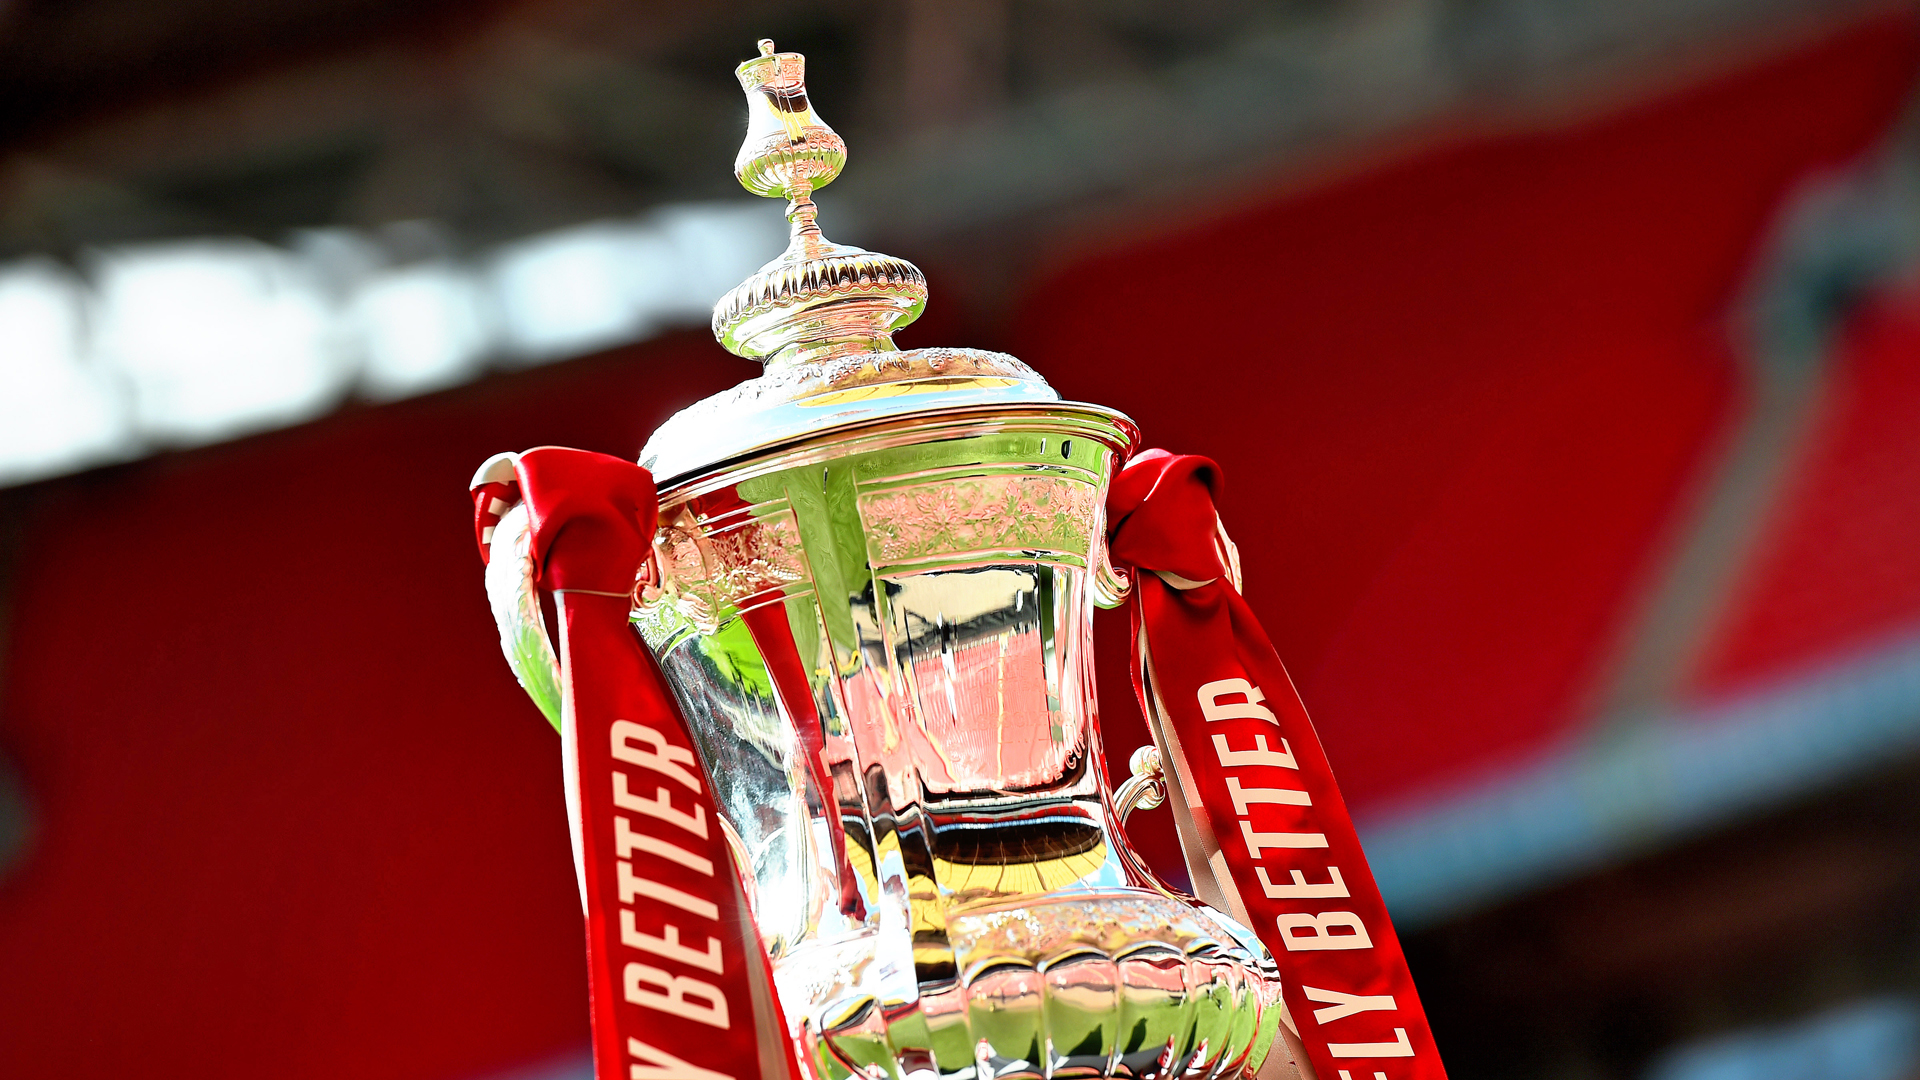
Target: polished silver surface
872,593
882,639
821,315
818,300
812,398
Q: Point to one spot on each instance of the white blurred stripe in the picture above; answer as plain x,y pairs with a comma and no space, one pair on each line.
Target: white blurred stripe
579,289
425,327
193,342
217,338
58,411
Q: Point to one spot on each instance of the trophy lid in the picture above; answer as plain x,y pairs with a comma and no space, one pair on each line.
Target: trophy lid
821,316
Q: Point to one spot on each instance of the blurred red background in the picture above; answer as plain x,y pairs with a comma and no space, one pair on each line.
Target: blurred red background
292,815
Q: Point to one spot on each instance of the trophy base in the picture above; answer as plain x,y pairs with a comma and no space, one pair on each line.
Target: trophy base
1098,983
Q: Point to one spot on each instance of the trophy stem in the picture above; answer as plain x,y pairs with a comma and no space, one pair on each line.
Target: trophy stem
804,236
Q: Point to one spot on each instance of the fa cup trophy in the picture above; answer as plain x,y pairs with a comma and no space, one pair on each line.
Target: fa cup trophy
821,663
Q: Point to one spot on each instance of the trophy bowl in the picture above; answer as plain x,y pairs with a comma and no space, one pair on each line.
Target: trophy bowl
882,641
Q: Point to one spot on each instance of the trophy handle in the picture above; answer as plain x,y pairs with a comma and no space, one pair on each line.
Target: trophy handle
514,596
1111,585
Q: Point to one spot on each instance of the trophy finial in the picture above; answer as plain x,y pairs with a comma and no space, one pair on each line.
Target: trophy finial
818,299
788,150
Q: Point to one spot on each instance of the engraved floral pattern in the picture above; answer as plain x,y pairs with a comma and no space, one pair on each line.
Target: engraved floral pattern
706,573
979,514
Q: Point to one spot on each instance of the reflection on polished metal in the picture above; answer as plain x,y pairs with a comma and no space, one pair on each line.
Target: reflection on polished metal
1146,789
872,593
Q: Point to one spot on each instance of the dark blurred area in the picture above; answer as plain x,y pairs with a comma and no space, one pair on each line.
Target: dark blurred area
1562,357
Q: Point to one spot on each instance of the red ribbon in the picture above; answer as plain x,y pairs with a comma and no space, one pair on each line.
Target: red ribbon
1258,785
679,985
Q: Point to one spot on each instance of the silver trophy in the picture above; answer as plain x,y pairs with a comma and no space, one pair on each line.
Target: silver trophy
872,593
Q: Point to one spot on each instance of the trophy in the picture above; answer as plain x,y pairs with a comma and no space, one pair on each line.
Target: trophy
822,664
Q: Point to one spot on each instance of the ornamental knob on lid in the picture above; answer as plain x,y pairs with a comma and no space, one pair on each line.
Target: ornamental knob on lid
819,299
821,318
